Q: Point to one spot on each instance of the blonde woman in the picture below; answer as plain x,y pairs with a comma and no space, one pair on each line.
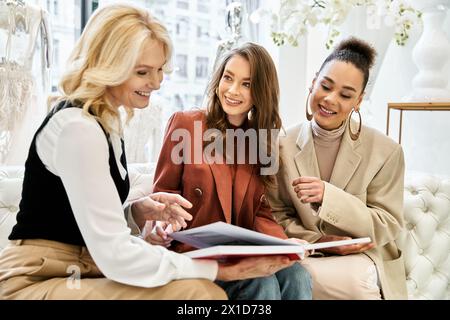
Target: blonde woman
71,240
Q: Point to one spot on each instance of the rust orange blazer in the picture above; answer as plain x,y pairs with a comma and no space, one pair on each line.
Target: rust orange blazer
209,186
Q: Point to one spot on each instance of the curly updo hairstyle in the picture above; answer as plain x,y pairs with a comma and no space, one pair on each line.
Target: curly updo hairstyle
357,52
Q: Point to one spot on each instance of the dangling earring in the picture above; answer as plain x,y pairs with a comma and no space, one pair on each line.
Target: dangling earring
251,113
354,136
309,116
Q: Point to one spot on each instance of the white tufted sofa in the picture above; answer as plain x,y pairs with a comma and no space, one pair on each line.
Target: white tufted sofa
425,242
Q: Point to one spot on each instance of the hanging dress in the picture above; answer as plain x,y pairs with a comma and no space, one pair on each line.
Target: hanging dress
24,77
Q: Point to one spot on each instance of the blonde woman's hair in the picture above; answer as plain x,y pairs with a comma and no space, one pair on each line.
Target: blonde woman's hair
106,54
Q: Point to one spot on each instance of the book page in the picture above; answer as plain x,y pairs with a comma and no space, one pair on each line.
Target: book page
221,233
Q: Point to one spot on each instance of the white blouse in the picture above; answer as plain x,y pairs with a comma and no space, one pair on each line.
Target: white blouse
74,147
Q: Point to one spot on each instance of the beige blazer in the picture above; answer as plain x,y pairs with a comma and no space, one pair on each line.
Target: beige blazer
364,197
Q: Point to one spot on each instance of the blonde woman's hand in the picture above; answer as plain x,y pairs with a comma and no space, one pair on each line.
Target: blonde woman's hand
252,267
159,234
309,189
162,206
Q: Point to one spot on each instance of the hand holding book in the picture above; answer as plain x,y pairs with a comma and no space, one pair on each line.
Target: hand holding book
345,249
220,240
158,233
302,242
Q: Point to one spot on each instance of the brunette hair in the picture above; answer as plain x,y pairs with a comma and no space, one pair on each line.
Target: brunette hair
264,90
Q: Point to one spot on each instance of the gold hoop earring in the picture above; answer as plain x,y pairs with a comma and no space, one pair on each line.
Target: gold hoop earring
251,113
309,116
354,136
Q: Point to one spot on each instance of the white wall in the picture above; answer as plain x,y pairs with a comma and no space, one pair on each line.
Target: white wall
425,137
293,84
291,65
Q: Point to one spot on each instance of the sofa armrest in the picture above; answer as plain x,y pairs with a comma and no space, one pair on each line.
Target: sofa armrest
11,179
426,239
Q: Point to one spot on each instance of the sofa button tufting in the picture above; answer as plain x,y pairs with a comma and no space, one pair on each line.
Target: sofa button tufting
409,226
13,208
414,192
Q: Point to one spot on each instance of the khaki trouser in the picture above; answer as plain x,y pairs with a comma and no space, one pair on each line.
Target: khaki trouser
351,277
43,269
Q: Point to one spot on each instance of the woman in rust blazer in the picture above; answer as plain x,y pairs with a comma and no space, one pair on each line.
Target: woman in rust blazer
228,186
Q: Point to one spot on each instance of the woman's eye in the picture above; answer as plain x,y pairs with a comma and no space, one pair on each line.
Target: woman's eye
324,87
246,84
345,96
142,73
227,77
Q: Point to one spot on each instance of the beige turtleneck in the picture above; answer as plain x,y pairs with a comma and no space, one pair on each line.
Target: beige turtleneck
326,144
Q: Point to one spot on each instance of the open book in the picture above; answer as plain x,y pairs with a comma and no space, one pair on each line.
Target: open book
219,240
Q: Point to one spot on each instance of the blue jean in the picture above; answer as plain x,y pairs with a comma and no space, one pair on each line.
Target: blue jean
292,283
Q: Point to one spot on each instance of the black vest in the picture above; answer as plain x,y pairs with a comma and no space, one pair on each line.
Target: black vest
44,211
